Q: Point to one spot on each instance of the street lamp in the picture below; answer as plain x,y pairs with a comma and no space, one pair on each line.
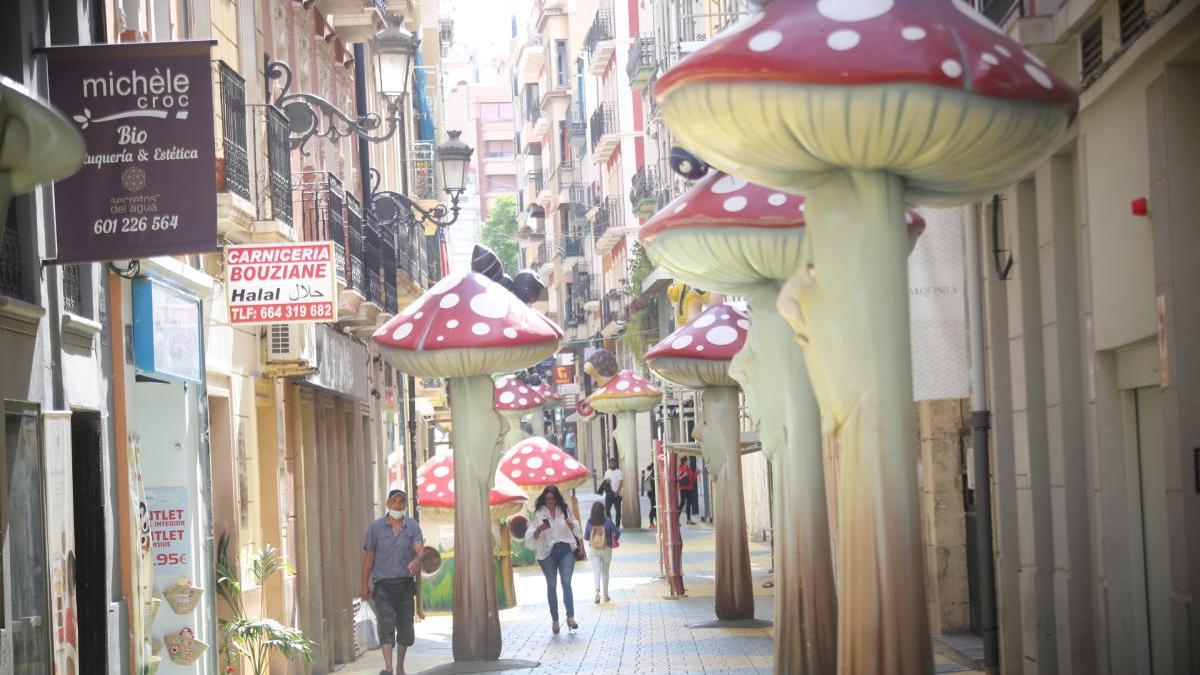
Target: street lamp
394,48
311,115
453,157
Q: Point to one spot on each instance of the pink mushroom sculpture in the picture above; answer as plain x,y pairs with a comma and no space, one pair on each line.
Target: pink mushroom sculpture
625,396
698,355
435,491
535,463
514,399
466,328
864,106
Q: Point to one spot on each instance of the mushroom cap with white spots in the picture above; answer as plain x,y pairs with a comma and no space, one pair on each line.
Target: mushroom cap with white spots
466,325
627,392
535,463
697,354
929,90
435,489
513,395
707,239
550,395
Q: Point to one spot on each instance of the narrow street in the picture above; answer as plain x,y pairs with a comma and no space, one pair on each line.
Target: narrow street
638,632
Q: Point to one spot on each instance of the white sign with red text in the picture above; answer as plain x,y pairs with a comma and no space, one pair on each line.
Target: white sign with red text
281,283
170,527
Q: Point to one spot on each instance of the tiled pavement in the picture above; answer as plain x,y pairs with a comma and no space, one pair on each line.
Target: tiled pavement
638,632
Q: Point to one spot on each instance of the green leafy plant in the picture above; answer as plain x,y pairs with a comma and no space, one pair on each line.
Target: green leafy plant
255,638
499,232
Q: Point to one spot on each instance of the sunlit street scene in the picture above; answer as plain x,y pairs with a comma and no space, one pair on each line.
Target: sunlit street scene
791,337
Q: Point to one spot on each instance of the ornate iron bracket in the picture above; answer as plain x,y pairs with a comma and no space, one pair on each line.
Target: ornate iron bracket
404,204
310,115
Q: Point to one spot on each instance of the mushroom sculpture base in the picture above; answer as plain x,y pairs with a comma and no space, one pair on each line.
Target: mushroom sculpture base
721,445
631,498
774,375
849,303
476,432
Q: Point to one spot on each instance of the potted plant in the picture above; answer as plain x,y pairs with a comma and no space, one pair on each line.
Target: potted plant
255,638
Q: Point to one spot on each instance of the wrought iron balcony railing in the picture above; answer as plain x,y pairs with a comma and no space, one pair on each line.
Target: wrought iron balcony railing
235,159
422,162
323,212
600,30
643,61
603,122
279,165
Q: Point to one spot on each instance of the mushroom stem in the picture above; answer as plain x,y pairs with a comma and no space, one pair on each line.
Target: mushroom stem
475,432
854,295
806,595
721,444
631,499
515,433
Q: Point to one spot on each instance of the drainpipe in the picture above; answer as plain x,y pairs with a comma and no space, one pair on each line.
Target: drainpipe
980,423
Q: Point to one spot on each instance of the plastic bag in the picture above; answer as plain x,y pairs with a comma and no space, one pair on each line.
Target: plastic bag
366,633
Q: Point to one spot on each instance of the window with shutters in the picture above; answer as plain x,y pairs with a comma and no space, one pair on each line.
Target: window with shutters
1091,49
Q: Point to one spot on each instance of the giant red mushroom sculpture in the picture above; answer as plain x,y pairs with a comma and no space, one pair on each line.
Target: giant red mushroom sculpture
625,396
731,236
466,328
865,105
698,355
514,399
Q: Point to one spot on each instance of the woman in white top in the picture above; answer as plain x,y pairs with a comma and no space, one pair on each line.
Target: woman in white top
554,534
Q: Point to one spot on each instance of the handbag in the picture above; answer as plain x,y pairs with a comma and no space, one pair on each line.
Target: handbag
580,554
184,648
183,596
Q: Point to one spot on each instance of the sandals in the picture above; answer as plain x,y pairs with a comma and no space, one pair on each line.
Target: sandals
554,627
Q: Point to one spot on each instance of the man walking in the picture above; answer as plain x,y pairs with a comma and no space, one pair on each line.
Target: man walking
394,547
687,489
612,490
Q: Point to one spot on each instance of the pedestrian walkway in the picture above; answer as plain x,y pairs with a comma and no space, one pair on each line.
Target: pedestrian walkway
638,632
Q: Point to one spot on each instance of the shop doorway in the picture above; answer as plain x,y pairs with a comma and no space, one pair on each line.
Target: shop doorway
24,578
88,563
1147,490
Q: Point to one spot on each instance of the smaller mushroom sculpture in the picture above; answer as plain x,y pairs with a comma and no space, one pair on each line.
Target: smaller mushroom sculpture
698,355
532,465
553,400
514,399
435,496
467,328
626,395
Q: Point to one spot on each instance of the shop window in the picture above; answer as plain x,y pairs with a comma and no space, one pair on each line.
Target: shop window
24,583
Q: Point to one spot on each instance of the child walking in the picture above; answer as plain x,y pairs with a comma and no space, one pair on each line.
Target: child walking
603,537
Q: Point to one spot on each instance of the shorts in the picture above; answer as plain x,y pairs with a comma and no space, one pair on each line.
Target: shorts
393,599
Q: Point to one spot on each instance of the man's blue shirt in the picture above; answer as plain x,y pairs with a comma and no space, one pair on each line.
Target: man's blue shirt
394,551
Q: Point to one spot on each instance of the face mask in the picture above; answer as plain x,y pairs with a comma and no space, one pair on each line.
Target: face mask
396,514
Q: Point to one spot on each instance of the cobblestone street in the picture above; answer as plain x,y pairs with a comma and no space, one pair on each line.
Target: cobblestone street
638,632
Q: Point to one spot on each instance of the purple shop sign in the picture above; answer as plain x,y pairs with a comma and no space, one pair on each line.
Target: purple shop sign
148,185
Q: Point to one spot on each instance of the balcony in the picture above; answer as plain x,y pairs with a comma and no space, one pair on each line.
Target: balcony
326,215
354,20
572,245
578,198
605,139
531,58
599,42
643,63
544,9
422,171
645,191
1000,11
576,123
608,225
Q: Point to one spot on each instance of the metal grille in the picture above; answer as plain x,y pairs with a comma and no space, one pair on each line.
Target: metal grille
644,186
12,272
354,242
233,131
1091,49
72,289
1133,18
279,164
1000,11
279,339
371,263
387,255
323,213
641,55
600,30
604,121
422,178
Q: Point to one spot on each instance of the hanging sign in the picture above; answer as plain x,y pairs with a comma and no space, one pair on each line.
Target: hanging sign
937,308
564,374
281,283
148,185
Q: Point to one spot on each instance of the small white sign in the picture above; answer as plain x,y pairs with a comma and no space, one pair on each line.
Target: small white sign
170,527
281,283
937,308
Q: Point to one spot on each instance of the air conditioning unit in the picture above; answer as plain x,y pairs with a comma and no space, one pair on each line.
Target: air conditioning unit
289,349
